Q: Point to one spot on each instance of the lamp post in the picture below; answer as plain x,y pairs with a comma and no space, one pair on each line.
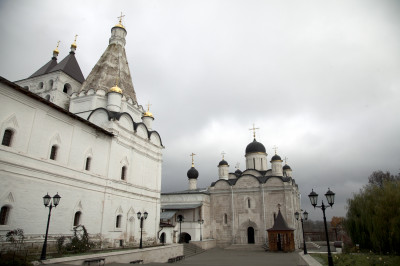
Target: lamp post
305,216
200,223
330,197
141,218
46,201
180,220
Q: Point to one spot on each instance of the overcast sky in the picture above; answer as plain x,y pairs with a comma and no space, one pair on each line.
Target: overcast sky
321,79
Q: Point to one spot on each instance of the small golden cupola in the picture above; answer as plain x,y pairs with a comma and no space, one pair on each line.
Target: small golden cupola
120,22
114,98
56,51
115,89
148,113
73,45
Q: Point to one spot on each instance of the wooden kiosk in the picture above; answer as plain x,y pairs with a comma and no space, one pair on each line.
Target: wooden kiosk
281,236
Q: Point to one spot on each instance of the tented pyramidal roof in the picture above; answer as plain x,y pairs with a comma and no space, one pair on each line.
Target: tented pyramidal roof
68,65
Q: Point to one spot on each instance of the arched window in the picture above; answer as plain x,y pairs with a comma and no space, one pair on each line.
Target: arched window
254,163
26,88
248,203
40,85
77,218
118,221
67,88
7,137
4,213
123,173
87,165
53,153
50,84
225,218
47,97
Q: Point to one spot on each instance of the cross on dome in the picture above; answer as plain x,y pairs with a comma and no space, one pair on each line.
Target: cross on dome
254,130
223,153
192,155
286,158
275,148
237,165
120,18
148,106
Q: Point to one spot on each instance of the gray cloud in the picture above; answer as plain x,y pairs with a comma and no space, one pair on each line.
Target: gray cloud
320,79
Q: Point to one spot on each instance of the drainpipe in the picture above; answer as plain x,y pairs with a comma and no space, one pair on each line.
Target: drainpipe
233,218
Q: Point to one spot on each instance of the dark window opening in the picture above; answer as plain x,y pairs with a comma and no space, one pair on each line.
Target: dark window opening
248,203
7,137
77,218
4,215
53,153
87,165
118,221
225,218
65,90
123,173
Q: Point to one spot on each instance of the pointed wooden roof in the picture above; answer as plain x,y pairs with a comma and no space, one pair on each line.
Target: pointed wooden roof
280,224
46,68
70,66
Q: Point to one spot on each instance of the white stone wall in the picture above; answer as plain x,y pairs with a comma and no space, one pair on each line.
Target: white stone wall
250,204
27,173
256,161
50,87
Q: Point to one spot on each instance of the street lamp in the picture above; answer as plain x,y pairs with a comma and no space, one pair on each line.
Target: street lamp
180,220
200,223
330,197
141,218
46,201
305,216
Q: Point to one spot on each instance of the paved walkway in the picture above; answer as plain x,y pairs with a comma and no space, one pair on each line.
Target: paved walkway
233,257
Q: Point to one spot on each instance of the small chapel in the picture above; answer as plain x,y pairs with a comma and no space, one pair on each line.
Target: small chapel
253,206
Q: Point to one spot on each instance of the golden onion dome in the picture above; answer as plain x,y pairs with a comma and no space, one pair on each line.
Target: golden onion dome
119,25
116,89
56,51
148,114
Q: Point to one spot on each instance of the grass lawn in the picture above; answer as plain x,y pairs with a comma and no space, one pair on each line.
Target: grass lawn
358,259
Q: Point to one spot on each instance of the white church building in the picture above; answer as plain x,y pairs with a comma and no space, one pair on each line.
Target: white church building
239,207
88,140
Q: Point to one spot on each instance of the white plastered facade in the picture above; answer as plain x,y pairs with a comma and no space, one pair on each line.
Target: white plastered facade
112,141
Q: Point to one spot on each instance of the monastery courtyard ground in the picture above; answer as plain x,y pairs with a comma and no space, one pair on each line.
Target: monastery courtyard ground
242,257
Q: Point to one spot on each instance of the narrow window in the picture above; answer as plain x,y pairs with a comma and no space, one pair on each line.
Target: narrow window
123,173
77,218
7,137
248,203
254,163
53,153
4,215
47,97
225,218
87,165
67,88
41,85
118,221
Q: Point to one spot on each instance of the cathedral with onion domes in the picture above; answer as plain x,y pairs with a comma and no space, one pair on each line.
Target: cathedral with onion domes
240,207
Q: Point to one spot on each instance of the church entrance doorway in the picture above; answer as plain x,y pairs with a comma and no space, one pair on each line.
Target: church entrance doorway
185,238
250,235
162,238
